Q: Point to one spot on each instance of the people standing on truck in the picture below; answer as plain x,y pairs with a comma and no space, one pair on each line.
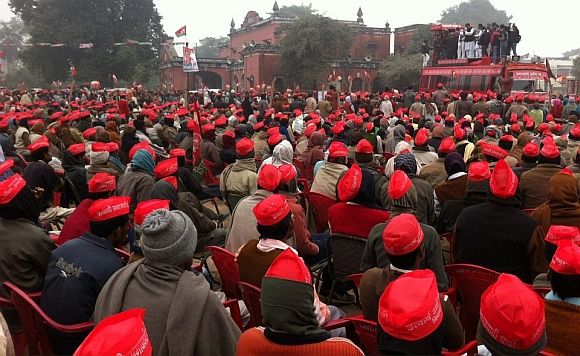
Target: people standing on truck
451,44
503,43
460,44
425,52
469,41
483,42
494,42
513,38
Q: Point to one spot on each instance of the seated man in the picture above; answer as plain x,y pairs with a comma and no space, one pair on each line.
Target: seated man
101,186
289,310
364,157
183,315
138,181
414,320
563,302
512,319
79,269
497,234
403,199
325,180
239,179
533,182
434,173
209,149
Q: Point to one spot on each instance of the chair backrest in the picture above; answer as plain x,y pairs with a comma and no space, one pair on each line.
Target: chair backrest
251,296
346,252
234,308
470,281
366,330
34,321
227,268
470,349
209,177
355,278
542,291
319,205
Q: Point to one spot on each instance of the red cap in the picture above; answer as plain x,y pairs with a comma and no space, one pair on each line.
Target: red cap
102,182
269,177
478,172
493,150
550,151
337,149
106,209
271,210
543,127
290,267
458,133
566,260
504,182
221,121
575,132
207,128
370,127
364,146
244,146
42,142
10,188
275,139
531,150
121,334
177,152
447,145
275,130
410,308
104,147
288,172
309,130
88,133
166,168
402,235
515,128
417,97
6,165
141,146
422,137
399,185
258,126
338,128
76,149
230,134
171,180
512,313
146,207
349,184
558,233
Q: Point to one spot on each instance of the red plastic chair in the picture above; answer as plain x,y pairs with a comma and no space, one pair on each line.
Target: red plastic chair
542,291
470,349
366,330
469,282
528,211
251,296
227,268
18,339
209,177
235,313
319,205
34,322
355,278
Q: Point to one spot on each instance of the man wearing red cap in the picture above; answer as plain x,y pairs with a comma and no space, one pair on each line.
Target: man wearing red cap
239,179
209,150
497,234
101,186
422,152
73,163
417,107
518,108
325,180
364,157
533,182
79,269
512,320
138,181
563,302
530,155
434,173
260,138
414,320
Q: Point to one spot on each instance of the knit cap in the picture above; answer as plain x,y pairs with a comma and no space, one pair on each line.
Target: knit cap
168,237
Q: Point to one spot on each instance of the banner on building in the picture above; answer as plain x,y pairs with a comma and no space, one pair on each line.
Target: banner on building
189,60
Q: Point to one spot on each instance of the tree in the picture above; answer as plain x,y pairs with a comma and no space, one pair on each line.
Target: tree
401,71
100,22
296,11
309,45
12,33
474,12
208,47
423,34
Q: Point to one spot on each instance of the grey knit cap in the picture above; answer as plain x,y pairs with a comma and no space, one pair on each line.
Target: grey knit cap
168,237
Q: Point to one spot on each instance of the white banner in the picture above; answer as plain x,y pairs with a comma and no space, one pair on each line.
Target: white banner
189,60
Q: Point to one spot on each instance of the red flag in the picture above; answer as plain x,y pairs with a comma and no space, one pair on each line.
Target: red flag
181,32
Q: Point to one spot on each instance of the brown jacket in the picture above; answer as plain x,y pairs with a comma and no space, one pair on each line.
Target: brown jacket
325,180
533,184
434,173
562,327
451,189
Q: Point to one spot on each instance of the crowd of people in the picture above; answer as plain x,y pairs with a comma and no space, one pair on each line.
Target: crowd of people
425,180
492,40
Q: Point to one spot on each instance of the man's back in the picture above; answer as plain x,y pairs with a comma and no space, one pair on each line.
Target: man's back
243,223
533,184
496,237
326,178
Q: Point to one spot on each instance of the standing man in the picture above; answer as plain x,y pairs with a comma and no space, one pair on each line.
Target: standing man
425,51
469,41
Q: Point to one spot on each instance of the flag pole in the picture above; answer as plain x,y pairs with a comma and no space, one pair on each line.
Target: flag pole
186,78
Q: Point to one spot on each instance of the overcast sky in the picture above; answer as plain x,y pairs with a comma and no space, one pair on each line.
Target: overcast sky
545,31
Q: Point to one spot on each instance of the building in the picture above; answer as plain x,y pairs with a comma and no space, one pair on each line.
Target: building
251,59
404,36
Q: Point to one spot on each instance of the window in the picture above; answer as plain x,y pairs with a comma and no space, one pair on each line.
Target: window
372,49
465,82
